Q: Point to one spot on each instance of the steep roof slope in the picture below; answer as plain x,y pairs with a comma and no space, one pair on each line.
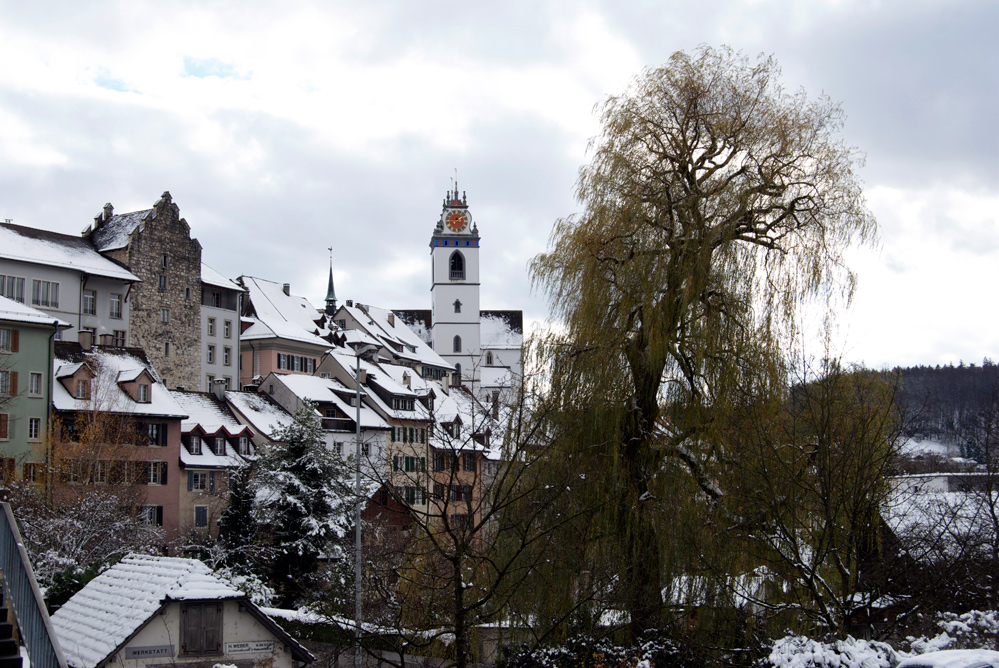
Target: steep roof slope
26,244
114,605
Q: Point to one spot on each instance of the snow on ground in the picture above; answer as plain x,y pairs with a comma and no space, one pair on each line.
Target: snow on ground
928,446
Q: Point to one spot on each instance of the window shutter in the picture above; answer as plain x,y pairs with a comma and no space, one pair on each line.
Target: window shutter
14,336
211,481
163,470
395,463
190,481
159,516
423,464
3,426
13,381
393,434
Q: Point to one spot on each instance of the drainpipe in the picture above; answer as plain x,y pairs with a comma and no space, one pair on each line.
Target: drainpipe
48,411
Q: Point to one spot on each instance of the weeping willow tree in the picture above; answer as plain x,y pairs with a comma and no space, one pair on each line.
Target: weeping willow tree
714,204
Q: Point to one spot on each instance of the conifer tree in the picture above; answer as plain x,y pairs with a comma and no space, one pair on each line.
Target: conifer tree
303,502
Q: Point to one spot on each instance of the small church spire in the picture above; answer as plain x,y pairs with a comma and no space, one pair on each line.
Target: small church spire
330,292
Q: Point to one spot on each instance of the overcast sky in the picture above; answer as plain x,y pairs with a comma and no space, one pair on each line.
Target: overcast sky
283,128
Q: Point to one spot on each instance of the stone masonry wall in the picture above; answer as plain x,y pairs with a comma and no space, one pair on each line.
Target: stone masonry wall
174,347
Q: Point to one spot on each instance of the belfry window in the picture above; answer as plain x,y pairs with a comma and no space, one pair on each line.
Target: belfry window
457,266
457,344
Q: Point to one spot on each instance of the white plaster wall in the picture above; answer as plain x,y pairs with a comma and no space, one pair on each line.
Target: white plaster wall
217,368
164,629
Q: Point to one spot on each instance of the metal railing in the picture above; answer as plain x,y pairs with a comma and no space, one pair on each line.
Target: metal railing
22,590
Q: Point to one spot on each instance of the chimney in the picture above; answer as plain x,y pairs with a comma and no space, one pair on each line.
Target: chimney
218,388
363,377
106,339
350,303
108,212
86,338
391,319
286,288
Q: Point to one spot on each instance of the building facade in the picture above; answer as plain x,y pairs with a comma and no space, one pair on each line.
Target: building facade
26,341
156,245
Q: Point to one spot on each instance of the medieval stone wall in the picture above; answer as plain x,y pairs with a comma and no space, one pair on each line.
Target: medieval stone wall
172,342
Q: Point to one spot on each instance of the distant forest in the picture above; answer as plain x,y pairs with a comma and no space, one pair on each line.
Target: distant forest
951,404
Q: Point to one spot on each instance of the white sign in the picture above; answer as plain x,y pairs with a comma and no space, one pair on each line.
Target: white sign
148,652
251,646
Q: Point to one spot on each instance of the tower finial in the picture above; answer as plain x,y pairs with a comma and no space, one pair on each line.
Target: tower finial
330,292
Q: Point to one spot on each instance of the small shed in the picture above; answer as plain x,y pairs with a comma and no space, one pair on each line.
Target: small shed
152,611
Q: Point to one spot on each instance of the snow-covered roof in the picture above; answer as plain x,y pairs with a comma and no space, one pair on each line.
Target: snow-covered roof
937,525
395,335
263,414
113,234
211,277
419,321
27,244
213,418
114,605
314,388
12,311
278,315
501,329
110,365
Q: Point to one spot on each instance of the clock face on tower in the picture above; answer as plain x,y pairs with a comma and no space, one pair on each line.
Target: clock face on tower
456,220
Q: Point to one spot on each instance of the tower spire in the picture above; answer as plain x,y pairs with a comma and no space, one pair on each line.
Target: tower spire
330,292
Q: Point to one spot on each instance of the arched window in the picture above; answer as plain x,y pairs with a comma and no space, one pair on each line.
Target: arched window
457,373
457,306
457,266
489,358
457,344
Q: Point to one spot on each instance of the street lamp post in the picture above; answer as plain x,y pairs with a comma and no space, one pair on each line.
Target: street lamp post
360,350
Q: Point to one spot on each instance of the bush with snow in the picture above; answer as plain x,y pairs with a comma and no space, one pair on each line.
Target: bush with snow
801,652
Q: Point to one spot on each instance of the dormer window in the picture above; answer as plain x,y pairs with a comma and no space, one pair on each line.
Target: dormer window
82,388
195,445
143,393
244,445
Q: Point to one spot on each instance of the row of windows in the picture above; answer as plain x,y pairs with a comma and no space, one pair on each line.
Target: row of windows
287,362
448,461
115,301
338,448
7,428
115,472
215,444
226,328
12,287
226,355
119,337
43,293
9,384
409,464
416,496
226,382
408,435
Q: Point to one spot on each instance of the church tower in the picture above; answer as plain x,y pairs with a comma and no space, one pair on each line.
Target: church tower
454,252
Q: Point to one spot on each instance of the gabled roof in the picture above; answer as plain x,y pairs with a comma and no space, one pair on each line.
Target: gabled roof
207,416
395,335
113,233
12,311
115,605
324,390
211,277
263,413
27,244
110,365
277,315
501,329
